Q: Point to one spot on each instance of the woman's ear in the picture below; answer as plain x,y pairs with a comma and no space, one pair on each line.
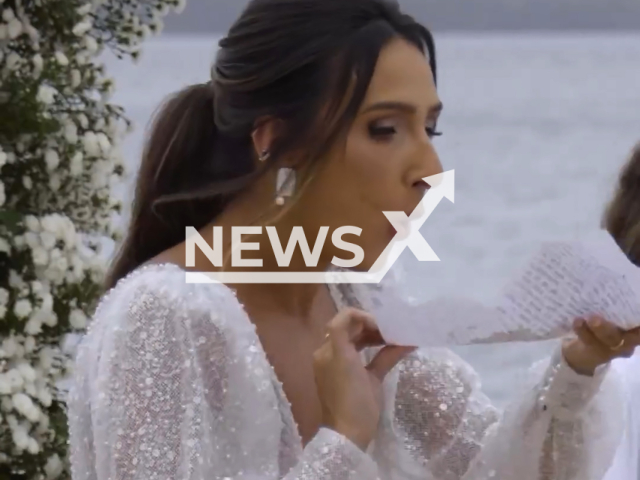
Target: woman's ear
266,130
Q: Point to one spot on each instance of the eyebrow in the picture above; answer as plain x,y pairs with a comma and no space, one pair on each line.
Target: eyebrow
402,106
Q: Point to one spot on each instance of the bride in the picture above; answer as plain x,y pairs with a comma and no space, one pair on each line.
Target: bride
178,381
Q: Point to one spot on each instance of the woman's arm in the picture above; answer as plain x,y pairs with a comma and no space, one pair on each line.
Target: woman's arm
565,425
438,421
178,396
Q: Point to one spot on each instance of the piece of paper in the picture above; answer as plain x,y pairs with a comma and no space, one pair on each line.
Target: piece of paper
561,281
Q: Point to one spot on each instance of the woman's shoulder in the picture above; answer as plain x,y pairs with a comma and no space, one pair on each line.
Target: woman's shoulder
160,293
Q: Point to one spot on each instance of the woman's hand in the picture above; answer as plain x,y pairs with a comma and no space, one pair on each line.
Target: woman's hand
598,343
350,392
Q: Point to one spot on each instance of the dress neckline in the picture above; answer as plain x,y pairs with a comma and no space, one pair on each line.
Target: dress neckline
339,300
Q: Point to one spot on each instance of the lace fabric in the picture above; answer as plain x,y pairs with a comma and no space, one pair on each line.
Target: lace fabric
172,383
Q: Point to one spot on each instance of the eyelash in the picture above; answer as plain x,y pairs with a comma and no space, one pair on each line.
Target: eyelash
388,131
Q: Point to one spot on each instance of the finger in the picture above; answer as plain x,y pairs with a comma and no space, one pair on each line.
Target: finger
606,332
631,342
350,324
387,358
368,338
584,334
590,341
632,337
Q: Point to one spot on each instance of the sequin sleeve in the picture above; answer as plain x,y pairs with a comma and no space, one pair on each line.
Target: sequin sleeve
170,385
438,423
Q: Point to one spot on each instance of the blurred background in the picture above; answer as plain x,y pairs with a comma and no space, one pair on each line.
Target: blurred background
542,106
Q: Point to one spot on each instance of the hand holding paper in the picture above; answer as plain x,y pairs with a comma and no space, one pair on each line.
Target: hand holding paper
562,281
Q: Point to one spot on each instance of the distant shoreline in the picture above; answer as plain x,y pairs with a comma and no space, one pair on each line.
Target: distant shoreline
487,34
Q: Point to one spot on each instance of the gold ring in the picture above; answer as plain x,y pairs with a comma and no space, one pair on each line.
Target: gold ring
619,346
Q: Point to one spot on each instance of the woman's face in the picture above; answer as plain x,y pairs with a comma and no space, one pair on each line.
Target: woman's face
388,151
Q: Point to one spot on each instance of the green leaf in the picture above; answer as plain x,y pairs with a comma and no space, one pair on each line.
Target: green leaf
10,219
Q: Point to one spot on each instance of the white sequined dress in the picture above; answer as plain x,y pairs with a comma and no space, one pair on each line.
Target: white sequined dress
172,383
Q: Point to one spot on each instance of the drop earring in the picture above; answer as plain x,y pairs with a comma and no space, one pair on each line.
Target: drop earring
264,156
285,184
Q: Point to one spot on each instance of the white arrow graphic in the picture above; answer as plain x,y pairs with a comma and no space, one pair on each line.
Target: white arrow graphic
408,228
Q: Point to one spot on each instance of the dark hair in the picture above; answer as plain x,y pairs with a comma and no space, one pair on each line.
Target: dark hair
622,216
284,59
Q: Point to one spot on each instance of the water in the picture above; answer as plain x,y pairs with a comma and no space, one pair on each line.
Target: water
536,127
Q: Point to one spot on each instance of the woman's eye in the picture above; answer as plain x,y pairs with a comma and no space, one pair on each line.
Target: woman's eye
378,130
432,132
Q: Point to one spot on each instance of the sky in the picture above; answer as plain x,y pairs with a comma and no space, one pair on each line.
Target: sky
215,16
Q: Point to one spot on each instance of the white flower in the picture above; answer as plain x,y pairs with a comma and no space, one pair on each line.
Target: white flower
38,64
91,145
47,302
46,94
5,385
32,223
163,9
27,182
71,132
3,197
33,447
22,308
62,59
12,60
48,240
81,28
78,319
54,467
20,438
9,346
83,120
76,78
15,379
52,224
27,372
83,10
180,5
23,404
47,356
157,26
33,326
30,344
49,318
145,32
3,156
3,32
40,256
52,159
15,280
55,182
7,406
91,44
61,264
8,15
76,165
44,397
14,28
4,247
104,143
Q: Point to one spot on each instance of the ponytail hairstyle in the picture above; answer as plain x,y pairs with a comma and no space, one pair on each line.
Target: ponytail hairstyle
622,216
306,63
